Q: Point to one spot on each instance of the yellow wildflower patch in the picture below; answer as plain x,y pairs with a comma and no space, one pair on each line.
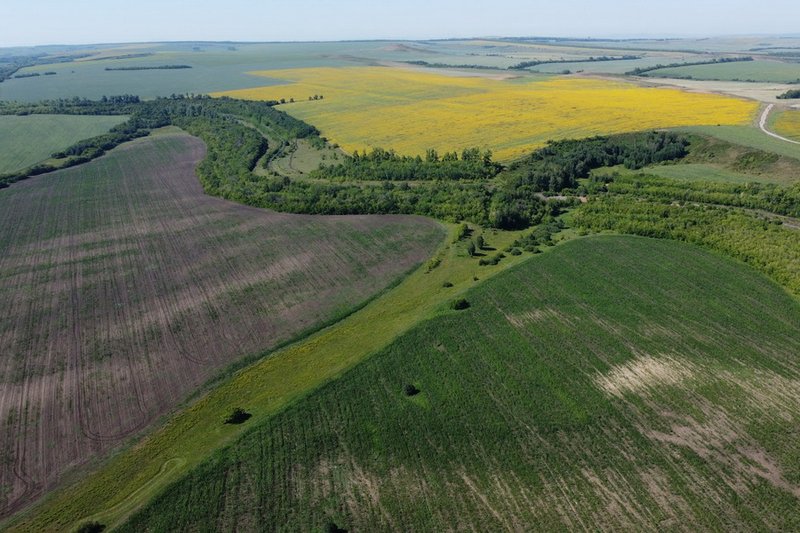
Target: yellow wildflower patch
788,124
411,111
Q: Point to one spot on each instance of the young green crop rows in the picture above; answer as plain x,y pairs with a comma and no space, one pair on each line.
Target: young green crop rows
616,383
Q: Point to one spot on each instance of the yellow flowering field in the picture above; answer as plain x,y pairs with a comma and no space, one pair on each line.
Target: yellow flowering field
411,111
787,124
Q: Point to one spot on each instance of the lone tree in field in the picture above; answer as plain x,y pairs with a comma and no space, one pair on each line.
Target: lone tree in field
410,390
237,416
480,242
91,527
471,249
460,304
331,527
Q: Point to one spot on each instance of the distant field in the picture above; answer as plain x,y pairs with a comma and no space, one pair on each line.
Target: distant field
615,384
787,123
411,111
770,71
215,67
125,288
25,141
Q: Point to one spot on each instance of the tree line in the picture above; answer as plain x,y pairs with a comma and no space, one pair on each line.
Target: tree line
387,165
642,71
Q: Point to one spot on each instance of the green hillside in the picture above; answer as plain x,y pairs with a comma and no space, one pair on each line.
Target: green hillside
614,383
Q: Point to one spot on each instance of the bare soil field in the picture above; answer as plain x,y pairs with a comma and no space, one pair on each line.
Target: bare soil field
125,288
767,92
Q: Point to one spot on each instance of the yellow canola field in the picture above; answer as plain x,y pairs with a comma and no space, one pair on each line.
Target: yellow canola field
788,124
411,111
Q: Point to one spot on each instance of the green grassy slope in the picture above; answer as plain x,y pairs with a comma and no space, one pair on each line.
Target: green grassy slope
614,383
25,141
733,156
749,136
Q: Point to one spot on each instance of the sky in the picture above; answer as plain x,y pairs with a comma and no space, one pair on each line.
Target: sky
34,22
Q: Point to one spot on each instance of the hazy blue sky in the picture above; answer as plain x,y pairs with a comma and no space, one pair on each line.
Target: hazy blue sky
25,22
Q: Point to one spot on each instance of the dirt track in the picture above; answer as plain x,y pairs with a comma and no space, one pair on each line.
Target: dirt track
762,123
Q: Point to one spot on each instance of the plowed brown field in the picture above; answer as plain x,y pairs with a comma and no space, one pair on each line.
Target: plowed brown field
124,288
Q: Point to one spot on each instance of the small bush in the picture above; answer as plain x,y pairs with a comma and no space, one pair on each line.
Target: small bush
433,263
459,304
447,284
237,416
91,527
410,390
495,259
515,251
463,232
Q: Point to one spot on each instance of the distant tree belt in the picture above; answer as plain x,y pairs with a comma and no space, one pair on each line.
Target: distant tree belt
793,93
159,67
9,65
592,59
642,71
449,65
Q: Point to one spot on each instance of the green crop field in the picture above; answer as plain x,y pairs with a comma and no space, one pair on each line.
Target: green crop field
617,383
126,289
215,67
769,71
25,141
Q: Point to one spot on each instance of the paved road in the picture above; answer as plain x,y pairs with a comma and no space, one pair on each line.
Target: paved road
763,125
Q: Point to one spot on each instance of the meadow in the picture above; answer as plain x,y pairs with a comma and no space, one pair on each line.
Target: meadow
411,111
696,172
787,123
616,383
28,140
126,289
760,70
718,160
748,136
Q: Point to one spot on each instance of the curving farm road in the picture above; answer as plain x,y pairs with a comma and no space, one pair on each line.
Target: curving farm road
763,125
